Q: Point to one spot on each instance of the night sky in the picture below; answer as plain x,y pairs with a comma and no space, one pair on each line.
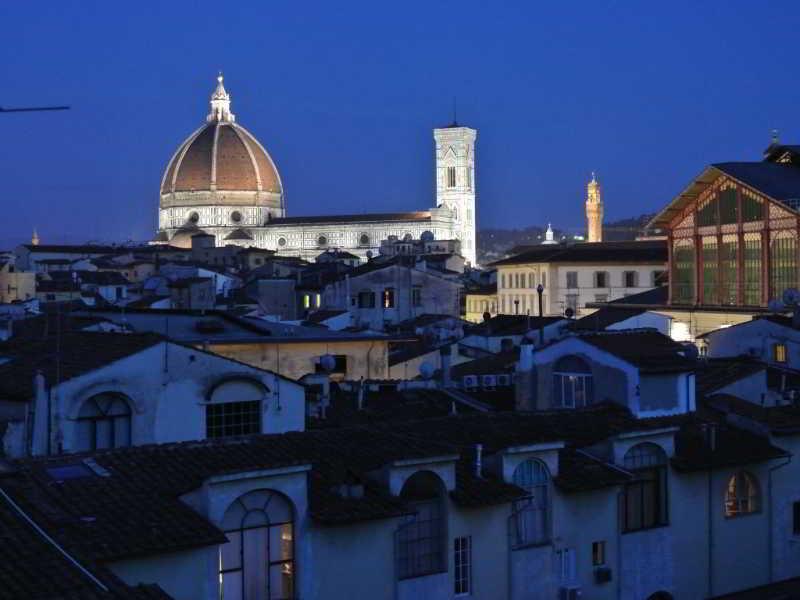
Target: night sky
344,96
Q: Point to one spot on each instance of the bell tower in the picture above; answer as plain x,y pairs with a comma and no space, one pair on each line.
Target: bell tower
455,182
594,211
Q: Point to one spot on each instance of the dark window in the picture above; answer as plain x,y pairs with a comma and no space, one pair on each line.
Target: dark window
572,383
420,539
462,565
530,521
600,279
258,559
339,364
416,295
322,240
630,278
366,300
707,214
598,553
236,216
783,265
388,298
728,206
104,421
194,217
451,177
644,502
364,239
572,279
233,418
752,208
683,291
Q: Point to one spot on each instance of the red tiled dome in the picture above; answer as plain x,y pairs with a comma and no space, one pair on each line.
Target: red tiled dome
221,155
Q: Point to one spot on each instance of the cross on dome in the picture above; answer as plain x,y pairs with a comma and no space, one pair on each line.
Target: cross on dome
220,103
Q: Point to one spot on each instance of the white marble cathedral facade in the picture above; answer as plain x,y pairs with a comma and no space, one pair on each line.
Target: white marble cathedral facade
223,182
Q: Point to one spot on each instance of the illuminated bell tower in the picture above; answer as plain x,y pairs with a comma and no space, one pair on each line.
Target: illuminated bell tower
455,182
594,211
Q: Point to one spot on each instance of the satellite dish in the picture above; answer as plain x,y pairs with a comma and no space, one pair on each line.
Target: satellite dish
775,305
369,253
426,370
569,313
690,351
327,362
791,296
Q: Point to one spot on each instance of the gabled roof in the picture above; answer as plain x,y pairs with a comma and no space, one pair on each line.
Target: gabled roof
780,182
714,373
646,349
503,325
74,354
604,317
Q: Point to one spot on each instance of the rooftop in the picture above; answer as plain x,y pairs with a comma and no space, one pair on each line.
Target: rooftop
628,252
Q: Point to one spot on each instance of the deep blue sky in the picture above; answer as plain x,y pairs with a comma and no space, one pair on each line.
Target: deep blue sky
344,96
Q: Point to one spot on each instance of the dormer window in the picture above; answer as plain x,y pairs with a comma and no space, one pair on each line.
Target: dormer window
573,384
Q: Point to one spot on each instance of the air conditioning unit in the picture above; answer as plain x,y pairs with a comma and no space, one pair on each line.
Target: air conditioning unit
602,574
489,381
570,592
470,382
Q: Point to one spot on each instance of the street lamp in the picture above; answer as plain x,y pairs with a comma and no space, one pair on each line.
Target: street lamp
539,291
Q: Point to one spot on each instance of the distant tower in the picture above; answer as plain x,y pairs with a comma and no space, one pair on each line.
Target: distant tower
594,211
549,237
455,181
35,238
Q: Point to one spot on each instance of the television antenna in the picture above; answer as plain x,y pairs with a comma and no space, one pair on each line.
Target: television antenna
32,109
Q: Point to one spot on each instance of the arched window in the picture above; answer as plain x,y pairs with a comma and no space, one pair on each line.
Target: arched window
364,239
322,241
421,538
234,408
572,383
742,496
645,496
104,421
257,563
530,522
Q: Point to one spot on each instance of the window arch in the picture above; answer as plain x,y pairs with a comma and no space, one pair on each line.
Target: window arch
742,495
234,407
530,521
573,384
104,421
257,562
421,538
645,495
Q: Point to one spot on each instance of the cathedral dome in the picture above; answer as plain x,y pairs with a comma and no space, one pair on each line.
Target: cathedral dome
221,156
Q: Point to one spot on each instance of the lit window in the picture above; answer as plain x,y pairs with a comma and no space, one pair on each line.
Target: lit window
572,383
420,539
531,517
462,565
451,177
645,496
388,298
598,553
779,353
741,495
104,421
306,301
258,559
318,298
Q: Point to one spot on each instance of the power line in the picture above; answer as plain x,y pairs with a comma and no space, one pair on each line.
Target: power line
32,109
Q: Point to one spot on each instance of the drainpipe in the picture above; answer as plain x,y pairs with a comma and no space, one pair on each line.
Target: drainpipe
772,518
619,546
710,431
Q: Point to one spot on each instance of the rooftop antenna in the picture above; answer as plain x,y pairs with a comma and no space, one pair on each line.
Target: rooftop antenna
32,109
455,113
775,139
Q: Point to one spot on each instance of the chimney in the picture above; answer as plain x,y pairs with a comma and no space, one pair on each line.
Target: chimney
41,414
445,354
361,394
523,380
